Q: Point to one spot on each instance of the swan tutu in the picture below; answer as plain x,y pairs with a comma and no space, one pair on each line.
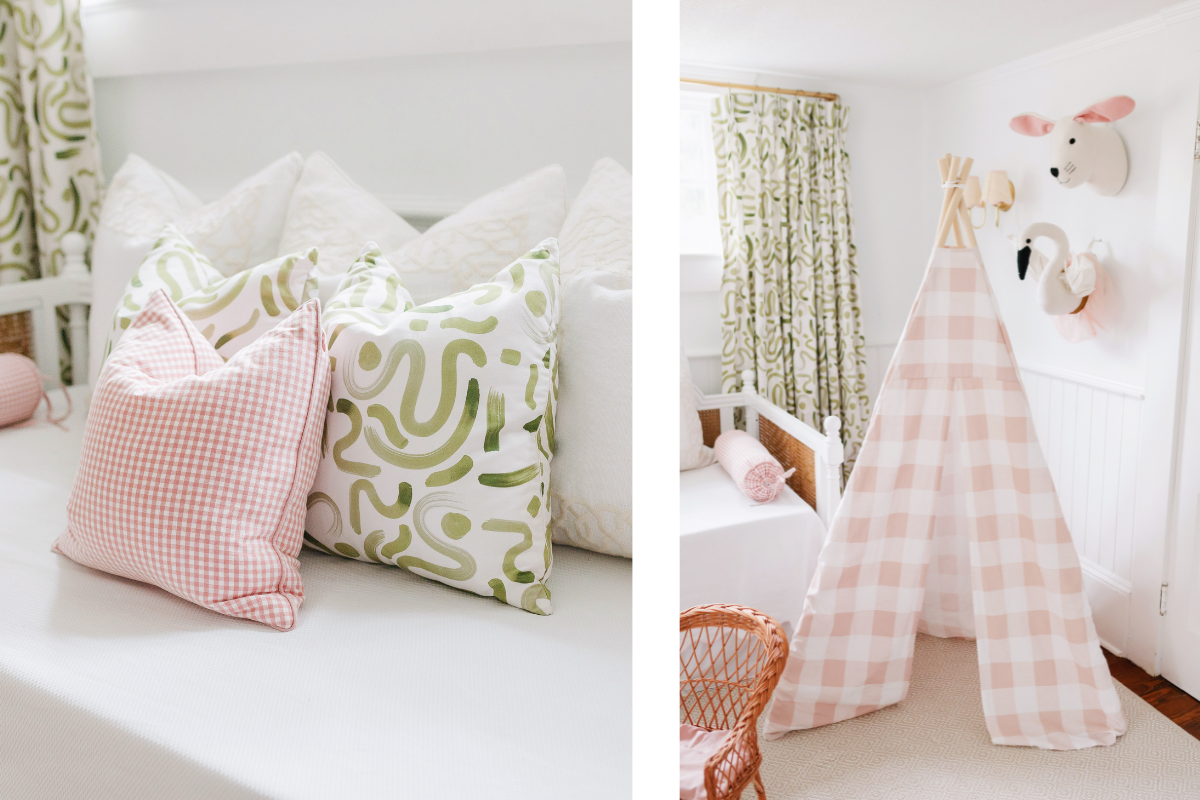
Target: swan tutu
1087,322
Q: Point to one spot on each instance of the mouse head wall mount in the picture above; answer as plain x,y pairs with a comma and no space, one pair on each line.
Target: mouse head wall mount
1084,148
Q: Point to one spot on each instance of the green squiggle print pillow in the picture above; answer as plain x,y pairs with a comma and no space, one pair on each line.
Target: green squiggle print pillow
437,447
230,312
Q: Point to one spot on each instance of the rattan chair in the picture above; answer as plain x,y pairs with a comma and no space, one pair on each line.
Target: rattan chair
730,658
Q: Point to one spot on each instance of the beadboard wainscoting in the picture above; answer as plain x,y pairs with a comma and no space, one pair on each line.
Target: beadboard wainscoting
879,355
1089,430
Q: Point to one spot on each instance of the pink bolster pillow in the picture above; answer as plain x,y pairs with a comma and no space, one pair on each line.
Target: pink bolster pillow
20,388
753,469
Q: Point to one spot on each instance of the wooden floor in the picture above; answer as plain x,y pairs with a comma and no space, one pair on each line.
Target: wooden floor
1180,707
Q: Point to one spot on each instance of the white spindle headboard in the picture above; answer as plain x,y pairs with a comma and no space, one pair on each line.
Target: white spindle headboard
73,289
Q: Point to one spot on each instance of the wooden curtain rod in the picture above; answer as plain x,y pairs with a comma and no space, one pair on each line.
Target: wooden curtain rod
794,92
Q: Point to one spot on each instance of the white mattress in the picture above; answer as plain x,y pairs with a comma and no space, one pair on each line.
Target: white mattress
732,550
389,686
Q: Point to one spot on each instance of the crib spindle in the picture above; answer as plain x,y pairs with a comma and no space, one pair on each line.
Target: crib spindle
74,246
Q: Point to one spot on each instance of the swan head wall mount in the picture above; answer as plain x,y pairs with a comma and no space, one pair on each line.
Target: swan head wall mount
1063,283
1083,147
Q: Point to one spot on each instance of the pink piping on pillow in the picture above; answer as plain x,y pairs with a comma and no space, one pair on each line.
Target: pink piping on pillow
753,469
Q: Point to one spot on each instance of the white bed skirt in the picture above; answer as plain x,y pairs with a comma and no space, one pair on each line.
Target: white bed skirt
732,550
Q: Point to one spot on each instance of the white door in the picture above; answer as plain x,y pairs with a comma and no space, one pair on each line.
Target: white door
1180,643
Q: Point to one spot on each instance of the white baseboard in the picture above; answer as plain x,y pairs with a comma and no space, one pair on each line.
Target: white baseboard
1110,597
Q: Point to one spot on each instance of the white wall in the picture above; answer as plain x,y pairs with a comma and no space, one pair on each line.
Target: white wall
140,37
427,133
884,138
972,118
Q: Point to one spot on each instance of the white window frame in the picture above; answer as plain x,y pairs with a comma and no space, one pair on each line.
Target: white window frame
701,259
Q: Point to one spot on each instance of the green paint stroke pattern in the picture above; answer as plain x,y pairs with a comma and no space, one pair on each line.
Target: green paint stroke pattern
410,415
52,184
790,291
229,312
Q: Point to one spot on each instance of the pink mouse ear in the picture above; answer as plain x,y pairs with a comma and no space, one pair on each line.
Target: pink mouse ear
1031,125
1110,110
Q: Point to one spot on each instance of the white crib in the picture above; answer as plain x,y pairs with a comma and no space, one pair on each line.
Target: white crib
762,555
41,297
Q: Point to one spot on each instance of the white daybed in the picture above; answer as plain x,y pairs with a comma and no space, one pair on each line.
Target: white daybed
763,555
389,686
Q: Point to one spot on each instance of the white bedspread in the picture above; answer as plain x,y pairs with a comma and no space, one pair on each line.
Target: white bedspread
389,686
732,550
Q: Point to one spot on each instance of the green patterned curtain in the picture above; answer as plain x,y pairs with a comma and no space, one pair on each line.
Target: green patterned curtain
789,296
51,182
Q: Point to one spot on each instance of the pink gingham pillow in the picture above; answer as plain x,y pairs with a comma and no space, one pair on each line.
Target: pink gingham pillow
194,472
753,469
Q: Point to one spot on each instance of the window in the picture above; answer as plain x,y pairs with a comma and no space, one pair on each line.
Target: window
699,233
701,259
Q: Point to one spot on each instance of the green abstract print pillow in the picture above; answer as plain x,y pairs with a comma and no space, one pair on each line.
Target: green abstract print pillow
440,429
230,312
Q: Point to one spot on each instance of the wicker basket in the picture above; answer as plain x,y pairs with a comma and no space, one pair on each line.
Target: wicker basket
730,658
16,334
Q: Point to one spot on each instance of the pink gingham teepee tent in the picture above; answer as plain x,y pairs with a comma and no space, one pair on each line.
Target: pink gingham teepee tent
950,526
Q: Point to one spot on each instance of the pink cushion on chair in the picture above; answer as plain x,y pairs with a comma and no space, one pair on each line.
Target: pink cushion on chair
194,472
753,469
696,747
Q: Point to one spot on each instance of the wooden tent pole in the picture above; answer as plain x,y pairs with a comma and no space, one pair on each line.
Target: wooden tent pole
944,225
959,239
959,169
959,194
967,226
965,215
943,170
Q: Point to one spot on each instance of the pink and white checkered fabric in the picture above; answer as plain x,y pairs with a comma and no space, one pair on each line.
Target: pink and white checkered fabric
194,472
20,388
951,525
755,471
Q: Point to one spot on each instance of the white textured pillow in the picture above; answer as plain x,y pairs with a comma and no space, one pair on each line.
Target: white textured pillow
473,245
592,470
333,213
598,232
693,453
141,199
238,231
243,227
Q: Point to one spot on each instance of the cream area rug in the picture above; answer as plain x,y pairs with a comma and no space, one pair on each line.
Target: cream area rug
935,745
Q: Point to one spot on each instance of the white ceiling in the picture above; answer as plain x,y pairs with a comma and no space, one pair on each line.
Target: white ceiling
903,43
130,37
